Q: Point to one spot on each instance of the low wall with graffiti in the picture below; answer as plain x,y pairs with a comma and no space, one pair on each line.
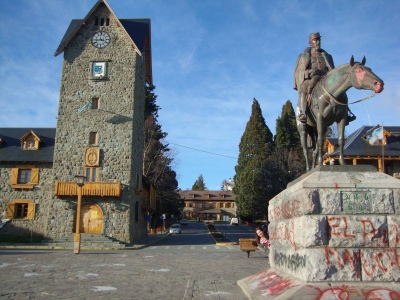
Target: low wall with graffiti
337,224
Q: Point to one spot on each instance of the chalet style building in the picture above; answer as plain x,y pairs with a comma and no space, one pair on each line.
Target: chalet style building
99,135
207,205
378,146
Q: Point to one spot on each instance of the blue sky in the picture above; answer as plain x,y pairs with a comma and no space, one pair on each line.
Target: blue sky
210,59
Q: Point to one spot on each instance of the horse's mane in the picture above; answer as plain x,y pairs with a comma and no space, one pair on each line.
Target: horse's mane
339,68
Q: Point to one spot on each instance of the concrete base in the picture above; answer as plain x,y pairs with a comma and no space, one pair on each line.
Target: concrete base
273,284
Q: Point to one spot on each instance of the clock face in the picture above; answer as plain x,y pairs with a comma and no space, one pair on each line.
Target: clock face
100,39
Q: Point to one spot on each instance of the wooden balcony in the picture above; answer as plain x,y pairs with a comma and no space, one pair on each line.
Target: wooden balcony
103,189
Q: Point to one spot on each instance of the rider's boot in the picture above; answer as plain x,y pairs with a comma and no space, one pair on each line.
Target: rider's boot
302,117
350,117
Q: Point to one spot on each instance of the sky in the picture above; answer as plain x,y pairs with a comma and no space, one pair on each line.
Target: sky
210,59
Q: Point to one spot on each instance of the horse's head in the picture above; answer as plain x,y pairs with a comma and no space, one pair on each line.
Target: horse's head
363,78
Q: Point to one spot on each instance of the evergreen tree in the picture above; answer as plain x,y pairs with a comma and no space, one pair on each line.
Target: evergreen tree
158,158
287,161
286,127
199,184
251,180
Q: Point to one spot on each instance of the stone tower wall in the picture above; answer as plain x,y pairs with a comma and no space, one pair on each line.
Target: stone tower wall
118,123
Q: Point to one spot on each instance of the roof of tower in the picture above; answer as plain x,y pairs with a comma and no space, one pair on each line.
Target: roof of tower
139,30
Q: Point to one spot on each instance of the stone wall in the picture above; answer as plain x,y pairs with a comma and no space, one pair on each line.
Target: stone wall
337,224
118,123
38,195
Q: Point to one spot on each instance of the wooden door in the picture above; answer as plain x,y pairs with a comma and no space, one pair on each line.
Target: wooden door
92,218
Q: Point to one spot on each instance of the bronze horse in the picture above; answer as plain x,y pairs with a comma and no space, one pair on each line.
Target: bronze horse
329,104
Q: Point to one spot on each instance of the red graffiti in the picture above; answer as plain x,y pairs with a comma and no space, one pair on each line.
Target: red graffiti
370,232
334,293
275,284
382,294
283,231
287,210
382,261
342,257
394,232
337,229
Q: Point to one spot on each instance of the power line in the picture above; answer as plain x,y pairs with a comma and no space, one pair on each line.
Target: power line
202,150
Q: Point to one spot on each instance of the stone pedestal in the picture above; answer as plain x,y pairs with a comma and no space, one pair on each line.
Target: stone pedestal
334,230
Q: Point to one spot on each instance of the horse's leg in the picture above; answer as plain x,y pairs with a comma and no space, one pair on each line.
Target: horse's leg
303,139
341,125
321,132
314,136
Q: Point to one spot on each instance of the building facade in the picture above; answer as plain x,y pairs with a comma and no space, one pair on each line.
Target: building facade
207,205
99,135
378,146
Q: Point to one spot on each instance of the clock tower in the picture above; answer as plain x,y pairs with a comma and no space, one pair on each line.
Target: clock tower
106,66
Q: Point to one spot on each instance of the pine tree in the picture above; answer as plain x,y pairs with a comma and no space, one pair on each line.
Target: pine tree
287,161
199,184
158,158
251,180
286,128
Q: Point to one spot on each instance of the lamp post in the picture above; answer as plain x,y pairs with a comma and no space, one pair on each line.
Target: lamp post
80,181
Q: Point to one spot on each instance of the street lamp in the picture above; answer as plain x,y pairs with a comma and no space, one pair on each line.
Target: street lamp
80,181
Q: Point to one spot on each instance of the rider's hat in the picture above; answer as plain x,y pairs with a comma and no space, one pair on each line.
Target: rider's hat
314,36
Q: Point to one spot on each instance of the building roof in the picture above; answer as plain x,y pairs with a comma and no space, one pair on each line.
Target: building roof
139,30
11,145
207,195
357,143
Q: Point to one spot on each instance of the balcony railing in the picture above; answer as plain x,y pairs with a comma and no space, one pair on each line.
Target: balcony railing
103,189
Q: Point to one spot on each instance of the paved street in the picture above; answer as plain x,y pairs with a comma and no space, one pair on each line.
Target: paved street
163,270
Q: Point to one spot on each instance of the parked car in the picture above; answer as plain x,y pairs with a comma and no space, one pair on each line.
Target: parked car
175,228
183,222
235,221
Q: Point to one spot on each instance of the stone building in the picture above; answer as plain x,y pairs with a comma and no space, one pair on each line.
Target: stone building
207,205
99,134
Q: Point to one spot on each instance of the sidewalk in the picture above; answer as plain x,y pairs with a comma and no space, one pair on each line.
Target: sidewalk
149,240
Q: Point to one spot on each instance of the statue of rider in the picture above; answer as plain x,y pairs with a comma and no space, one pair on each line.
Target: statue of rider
311,65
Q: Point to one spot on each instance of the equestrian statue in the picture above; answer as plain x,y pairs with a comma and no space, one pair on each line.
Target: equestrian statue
322,96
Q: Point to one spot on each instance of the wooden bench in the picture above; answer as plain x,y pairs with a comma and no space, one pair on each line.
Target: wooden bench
248,245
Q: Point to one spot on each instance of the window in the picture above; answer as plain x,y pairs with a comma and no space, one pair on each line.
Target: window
206,205
95,103
100,21
93,138
21,209
200,205
30,141
213,205
24,177
91,174
30,144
